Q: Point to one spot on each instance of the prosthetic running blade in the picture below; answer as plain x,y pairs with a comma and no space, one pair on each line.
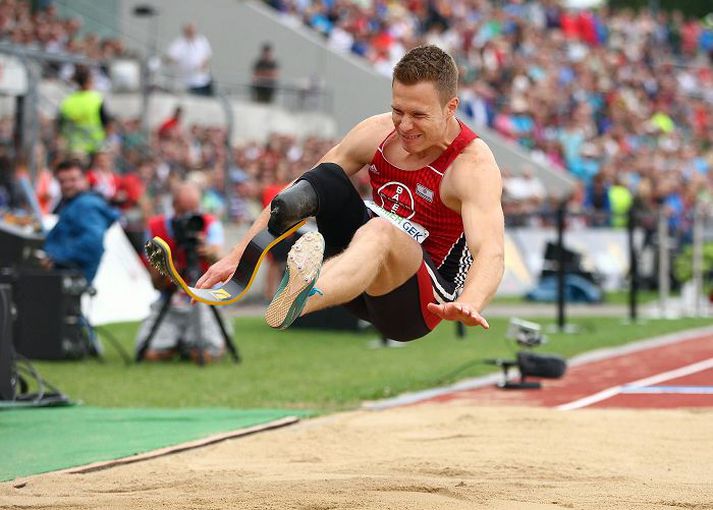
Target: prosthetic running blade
159,255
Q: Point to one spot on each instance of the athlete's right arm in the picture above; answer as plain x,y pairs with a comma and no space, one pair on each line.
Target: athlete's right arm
357,148
353,152
223,270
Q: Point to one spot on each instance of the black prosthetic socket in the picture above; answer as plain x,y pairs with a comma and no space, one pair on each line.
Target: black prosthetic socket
291,206
341,210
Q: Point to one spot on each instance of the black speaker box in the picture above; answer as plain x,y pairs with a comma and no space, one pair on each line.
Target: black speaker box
7,355
48,307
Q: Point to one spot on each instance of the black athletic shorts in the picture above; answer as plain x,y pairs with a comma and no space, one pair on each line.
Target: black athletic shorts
401,314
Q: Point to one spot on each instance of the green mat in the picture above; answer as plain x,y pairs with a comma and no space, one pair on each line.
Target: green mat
35,441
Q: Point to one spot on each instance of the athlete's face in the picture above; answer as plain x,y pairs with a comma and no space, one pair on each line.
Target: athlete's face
419,117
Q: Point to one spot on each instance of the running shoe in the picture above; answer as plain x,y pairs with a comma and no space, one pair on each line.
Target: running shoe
304,262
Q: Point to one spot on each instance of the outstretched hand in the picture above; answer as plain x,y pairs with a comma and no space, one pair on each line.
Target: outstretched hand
461,312
219,272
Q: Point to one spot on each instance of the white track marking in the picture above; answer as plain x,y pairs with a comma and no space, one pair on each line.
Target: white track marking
648,381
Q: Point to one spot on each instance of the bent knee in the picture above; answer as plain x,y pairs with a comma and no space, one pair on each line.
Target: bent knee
376,227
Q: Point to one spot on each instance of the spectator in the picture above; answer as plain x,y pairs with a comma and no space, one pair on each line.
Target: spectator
191,54
129,198
265,74
172,125
186,330
77,240
525,194
10,193
597,201
102,177
620,201
82,118
47,190
582,89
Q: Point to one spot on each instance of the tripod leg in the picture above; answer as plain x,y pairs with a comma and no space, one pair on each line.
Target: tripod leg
200,346
154,327
94,347
228,340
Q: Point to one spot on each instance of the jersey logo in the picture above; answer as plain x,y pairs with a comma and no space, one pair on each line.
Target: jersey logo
396,198
373,169
425,193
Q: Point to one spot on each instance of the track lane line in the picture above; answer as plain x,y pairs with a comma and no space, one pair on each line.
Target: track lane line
647,381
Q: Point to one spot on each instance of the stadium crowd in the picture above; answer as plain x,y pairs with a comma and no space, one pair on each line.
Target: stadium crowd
621,95
619,99
38,25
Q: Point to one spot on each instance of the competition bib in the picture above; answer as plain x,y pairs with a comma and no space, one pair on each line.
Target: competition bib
412,228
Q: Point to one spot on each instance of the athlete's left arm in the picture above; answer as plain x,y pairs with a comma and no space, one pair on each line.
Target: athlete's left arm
475,183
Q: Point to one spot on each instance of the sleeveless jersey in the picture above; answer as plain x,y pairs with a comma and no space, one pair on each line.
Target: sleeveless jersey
415,195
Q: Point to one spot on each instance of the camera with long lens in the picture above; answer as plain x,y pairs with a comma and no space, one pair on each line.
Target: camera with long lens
187,235
187,230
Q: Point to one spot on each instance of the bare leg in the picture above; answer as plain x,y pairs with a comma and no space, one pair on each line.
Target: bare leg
379,259
272,278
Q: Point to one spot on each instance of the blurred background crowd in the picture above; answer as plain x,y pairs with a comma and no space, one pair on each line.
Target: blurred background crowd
618,99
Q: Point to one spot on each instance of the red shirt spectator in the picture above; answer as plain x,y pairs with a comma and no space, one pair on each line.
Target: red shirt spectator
102,178
171,125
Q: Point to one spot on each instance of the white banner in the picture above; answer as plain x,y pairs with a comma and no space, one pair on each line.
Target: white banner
124,289
13,76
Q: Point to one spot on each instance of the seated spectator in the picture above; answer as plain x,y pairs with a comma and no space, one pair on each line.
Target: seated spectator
525,193
46,186
77,240
102,177
596,201
129,198
8,187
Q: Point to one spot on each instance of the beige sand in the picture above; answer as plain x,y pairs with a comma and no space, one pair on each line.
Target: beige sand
454,456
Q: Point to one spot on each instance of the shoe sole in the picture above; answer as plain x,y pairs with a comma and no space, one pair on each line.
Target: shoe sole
304,262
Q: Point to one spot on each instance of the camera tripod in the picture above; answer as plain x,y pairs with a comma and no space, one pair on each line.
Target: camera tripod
165,306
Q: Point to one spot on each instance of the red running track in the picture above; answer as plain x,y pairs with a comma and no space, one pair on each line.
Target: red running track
588,379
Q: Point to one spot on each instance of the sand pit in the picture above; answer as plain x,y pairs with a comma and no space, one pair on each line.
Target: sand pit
454,456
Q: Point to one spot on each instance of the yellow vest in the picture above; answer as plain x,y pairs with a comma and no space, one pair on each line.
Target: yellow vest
82,126
620,200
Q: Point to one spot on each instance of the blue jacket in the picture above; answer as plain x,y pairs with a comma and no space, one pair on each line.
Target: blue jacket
77,240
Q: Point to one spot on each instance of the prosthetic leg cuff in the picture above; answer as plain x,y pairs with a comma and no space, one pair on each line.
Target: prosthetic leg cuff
291,206
333,187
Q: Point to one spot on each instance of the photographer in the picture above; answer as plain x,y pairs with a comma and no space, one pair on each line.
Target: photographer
196,239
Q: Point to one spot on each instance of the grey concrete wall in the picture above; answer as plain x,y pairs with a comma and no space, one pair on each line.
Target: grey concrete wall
236,29
99,17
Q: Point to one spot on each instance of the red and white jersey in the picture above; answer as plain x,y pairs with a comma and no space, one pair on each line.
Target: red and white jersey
415,195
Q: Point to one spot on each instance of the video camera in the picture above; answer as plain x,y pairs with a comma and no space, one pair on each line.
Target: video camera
528,335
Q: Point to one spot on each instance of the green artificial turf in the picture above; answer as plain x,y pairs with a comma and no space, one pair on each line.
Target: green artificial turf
40,440
319,370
